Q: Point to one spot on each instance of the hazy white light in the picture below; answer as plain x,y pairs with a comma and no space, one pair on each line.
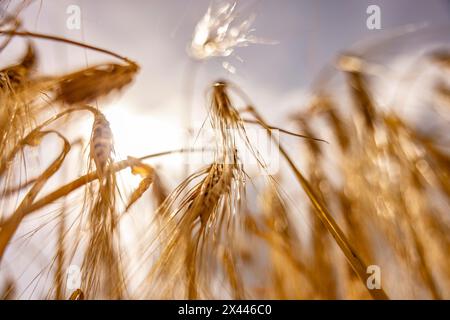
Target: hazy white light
138,134
218,33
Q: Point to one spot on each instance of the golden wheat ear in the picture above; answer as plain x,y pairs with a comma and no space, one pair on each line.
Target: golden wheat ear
206,212
19,73
101,144
147,173
89,84
18,94
102,270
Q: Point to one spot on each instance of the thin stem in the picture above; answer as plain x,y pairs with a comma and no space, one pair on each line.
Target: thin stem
283,130
92,176
20,145
61,39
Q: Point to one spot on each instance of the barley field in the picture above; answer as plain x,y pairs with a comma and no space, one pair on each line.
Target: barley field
224,150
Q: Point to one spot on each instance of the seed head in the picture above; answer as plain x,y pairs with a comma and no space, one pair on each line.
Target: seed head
218,34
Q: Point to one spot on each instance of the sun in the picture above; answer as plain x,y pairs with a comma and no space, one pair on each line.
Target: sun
138,133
